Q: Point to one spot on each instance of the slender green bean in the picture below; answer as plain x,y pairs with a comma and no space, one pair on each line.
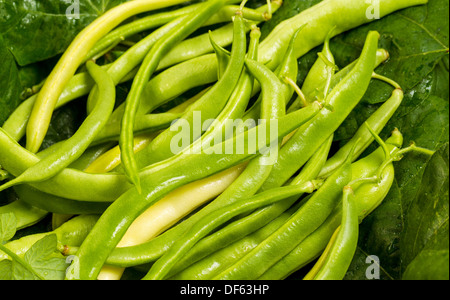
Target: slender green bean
363,138
212,264
58,205
74,147
71,60
162,266
191,23
25,214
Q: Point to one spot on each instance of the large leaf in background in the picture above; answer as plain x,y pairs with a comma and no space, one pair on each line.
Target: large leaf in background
9,81
425,240
35,30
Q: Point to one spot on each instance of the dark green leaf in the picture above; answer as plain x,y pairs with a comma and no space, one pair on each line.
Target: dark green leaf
35,30
429,265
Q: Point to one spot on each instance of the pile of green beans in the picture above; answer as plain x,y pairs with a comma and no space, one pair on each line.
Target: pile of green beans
298,199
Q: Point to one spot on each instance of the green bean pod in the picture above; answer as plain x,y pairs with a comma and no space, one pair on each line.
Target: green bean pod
382,56
288,69
320,86
320,73
320,19
160,179
208,107
239,99
344,97
363,138
214,263
223,57
368,196
162,266
71,60
343,249
74,147
272,108
305,221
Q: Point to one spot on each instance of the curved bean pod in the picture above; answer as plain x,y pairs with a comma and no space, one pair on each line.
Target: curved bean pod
73,232
58,205
71,60
208,107
162,266
363,138
239,99
26,215
342,250
344,97
159,181
152,250
320,19
73,148
305,221
368,195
